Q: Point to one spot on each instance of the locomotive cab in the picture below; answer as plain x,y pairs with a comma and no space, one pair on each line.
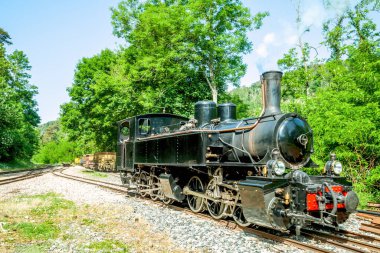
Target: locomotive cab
132,130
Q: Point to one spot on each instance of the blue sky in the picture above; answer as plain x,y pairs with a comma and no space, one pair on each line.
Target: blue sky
55,35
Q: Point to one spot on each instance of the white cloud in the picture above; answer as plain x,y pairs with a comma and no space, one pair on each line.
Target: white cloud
314,15
289,33
269,38
291,39
261,50
338,7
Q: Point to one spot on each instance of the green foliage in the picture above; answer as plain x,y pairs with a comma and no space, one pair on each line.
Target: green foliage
369,189
348,129
87,221
250,104
50,131
177,51
49,206
44,196
18,109
201,41
55,152
4,37
374,179
55,146
96,103
342,101
11,122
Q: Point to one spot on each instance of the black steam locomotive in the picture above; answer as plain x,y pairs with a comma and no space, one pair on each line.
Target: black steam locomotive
247,169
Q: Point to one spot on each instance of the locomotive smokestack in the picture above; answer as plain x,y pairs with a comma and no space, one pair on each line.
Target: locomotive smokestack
271,92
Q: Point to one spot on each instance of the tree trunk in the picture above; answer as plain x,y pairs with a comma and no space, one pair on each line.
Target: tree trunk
211,83
214,92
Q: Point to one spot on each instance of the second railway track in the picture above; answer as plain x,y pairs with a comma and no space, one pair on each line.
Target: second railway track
28,174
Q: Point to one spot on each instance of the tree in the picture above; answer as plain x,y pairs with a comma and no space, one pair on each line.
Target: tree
78,117
160,59
220,30
352,27
160,68
300,65
10,124
55,146
18,109
4,37
212,35
24,91
344,109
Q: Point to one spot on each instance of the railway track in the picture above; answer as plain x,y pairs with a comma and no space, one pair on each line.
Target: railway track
23,170
107,185
359,244
28,175
374,225
349,241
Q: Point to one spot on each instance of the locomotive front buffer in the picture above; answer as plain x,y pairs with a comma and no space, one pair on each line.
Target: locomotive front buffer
297,199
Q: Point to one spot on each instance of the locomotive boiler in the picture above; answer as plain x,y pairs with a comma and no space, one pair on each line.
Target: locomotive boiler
248,169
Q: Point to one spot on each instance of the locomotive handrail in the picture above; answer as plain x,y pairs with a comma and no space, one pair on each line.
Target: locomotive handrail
261,117
203,131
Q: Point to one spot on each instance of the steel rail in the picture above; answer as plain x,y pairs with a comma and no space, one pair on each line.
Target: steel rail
103,184
358,236
343,242
92,180
369,212
30,174
234,226
23,170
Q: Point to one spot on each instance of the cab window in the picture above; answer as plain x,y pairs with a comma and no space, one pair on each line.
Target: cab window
144,126
124,130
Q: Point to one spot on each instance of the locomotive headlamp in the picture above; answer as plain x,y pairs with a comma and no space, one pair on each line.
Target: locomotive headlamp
278,168
337,167
333,166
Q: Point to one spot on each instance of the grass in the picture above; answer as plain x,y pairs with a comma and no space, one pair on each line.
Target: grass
33,223
38,248
34,231
87,221
108,246
94,173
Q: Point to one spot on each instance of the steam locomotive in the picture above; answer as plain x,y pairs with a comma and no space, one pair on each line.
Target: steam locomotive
248,169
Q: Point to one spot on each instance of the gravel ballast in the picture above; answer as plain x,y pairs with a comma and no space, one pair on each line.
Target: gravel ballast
183,232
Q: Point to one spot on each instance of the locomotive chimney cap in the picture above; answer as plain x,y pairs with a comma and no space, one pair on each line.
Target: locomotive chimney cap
272,74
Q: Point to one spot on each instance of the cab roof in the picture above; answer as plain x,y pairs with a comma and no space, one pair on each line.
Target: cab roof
154,115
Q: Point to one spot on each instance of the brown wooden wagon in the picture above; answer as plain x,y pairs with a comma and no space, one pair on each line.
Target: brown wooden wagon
105,161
